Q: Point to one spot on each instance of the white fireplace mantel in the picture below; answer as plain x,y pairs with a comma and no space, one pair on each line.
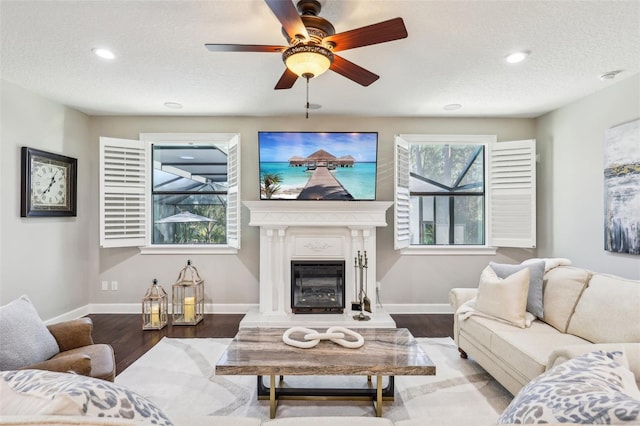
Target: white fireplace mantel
314,230
359,214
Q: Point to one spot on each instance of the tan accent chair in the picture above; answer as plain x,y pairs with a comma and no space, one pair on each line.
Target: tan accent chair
78,353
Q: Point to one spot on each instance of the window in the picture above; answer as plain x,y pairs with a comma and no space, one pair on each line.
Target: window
464,191
171,192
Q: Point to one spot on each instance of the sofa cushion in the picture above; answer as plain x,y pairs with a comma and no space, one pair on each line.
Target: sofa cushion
561,290
504,298
536,272
595,388
47,392
25,338
527,351
608,311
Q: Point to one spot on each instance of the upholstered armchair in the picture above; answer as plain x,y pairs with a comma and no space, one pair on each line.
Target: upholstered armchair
27,343
78,353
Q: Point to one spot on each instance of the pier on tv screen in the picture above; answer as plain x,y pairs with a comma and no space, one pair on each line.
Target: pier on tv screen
318,165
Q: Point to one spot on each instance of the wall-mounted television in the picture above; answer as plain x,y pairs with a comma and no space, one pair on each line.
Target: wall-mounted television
318,165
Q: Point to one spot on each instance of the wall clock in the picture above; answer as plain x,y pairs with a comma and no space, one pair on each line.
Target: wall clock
48,184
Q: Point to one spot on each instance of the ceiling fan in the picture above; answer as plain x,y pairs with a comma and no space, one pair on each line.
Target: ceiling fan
312,43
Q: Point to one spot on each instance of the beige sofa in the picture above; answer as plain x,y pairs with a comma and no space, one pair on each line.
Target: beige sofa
583,311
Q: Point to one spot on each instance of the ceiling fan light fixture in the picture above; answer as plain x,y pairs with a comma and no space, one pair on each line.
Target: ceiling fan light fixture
307,59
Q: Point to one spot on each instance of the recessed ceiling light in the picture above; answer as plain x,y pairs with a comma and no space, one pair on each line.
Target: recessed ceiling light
516,57
173,105
103,53
610,75
452,107
187,157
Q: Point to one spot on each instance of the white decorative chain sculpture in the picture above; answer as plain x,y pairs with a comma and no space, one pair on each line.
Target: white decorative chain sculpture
312,337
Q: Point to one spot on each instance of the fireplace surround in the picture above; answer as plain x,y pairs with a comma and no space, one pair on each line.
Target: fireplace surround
314,231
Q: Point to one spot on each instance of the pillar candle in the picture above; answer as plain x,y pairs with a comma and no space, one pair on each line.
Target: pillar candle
189,309
155,315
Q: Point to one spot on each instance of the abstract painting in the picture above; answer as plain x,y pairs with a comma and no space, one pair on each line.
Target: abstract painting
622,188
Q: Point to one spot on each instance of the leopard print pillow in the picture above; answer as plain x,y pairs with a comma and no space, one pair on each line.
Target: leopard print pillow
65,393
594,388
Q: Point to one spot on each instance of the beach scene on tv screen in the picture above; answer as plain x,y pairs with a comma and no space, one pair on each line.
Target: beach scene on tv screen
317,166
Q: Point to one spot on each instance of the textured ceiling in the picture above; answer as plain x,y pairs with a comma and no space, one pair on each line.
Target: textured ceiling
454,54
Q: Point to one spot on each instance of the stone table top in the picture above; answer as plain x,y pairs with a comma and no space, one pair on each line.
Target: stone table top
386,352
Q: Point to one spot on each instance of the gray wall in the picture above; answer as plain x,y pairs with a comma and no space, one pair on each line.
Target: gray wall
570,178
49,259
58,262
406,280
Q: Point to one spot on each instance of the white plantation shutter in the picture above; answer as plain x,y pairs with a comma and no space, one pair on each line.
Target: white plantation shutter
402,197
233,193
122,193
512,183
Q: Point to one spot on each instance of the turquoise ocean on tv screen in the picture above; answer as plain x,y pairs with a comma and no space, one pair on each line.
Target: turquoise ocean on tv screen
359,180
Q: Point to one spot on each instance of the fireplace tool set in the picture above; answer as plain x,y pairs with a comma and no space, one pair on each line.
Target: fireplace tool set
362,303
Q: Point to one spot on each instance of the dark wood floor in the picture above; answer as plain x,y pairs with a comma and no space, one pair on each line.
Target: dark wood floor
124,331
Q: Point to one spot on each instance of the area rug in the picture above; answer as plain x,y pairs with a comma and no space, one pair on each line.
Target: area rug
179,376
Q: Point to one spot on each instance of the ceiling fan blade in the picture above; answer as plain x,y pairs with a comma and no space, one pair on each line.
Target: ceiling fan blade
244,48
390,30
288,16
287,80
352,71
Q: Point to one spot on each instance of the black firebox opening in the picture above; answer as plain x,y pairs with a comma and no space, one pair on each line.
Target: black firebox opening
317,286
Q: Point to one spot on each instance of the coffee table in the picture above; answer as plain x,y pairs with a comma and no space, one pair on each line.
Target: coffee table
386,352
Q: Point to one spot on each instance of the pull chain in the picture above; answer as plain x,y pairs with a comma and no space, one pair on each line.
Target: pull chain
307,76
307,105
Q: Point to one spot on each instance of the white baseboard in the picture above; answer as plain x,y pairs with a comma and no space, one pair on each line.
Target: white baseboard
136,308
235,308
71,315
418,308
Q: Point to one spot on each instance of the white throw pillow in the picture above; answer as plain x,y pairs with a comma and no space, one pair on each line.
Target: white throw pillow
24,338
536,271
504,298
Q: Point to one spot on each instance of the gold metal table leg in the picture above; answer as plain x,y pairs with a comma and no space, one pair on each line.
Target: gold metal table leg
379,396
272,396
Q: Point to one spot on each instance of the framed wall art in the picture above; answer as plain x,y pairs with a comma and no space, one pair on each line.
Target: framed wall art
48,184
622,188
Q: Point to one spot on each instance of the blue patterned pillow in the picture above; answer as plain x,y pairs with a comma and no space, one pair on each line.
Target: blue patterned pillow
47,392
594,388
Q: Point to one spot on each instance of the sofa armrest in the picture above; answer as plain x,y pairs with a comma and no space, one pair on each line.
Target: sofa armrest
631,351
72,334
458,296
76,363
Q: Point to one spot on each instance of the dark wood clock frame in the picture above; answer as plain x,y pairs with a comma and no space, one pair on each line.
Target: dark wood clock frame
27,208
